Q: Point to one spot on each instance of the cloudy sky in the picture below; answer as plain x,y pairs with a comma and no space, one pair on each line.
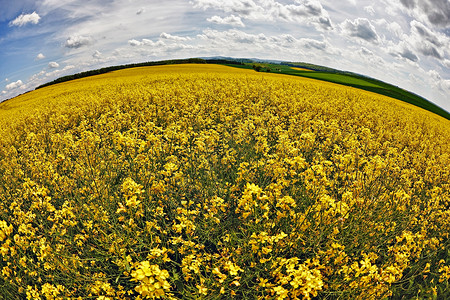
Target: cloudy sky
405,42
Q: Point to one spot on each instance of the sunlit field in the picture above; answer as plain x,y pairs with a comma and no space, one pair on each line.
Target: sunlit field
301,69
211,182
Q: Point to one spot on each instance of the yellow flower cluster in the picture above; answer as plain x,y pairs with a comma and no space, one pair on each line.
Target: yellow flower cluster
152,280
203,181
5,230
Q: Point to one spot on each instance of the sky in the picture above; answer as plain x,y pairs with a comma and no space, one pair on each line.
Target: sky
404,42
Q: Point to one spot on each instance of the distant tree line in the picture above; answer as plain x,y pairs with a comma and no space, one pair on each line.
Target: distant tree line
311,67
261,68
144,64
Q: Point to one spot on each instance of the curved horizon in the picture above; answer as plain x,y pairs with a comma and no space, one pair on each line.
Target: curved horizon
405,44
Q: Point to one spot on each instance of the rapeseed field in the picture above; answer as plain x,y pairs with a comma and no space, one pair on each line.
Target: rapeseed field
209,182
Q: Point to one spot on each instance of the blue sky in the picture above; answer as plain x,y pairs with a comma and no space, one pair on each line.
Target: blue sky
406,42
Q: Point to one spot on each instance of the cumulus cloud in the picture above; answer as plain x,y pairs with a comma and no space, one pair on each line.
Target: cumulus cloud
426,33
369,9
360,28
307,26
68,67
168,36
52,74
78,41
434,75
429,50
14,85
312,10
232,36
436,11
370,56
444,86
314,44
395,28
440,83
53,65
134,42
24,19
236,41
306,8
446,63
403,50
97,54
242,7
40,56
288,38
426,41
303,11
365,52
165,46
146,42
231,20
408,3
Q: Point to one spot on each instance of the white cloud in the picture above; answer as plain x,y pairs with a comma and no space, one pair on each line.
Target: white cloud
14,85
78,41
427,34
365,52
109,23
40,56
430,50
371,57
436,12
36,76
230,20
403,50
446,63
396,29
145,42
303,11
23,19
242,7
427,41
434,75
168,36
314,44
370,10
164,46
68,67
360,28
53,65
296,30
232,36
55,73
289,38
440,83
134,42
236,42
97,54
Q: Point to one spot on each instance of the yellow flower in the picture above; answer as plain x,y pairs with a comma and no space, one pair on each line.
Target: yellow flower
131,191
232,268
152,280
202,289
